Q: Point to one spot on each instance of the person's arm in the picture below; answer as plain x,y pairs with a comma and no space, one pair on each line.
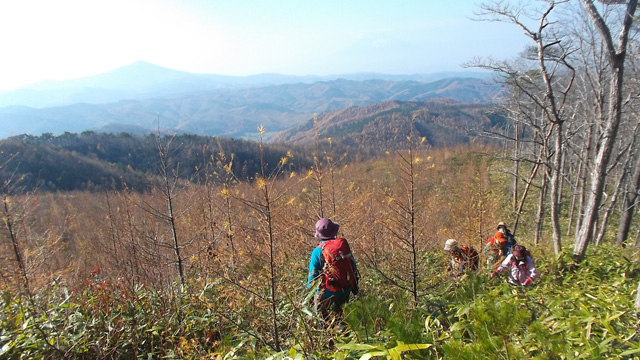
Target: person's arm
532,267
504,265
353,258
315,265
353,261
356,289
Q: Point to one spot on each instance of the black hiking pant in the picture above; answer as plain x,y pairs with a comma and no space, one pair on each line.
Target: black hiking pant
330,309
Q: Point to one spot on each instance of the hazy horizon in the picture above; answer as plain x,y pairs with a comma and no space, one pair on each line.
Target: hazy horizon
71,39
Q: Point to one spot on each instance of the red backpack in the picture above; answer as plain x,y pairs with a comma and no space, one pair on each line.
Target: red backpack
339,269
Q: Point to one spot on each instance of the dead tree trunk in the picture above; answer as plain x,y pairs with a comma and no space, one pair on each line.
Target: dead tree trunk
628,206
616,58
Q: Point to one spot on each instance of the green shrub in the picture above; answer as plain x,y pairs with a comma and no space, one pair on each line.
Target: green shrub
574,311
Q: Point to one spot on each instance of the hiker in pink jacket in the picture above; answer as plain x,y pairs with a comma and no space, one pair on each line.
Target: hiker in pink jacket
522,270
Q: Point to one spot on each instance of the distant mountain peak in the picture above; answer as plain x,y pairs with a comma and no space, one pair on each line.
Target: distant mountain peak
144,67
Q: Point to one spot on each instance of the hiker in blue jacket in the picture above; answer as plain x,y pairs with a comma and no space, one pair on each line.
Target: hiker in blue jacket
332,293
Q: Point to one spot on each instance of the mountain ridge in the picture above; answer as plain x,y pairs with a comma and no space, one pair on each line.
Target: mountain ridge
388,124
143,80
236,112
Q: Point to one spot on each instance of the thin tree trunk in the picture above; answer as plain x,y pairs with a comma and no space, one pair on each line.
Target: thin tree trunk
412,213
525,192
574,196
134,262
637,304
516,165
540,216
555,191
616,58
176,243
9,224
169,181
271,242
318,171
113,231
629,205
583,174
563,179
605,217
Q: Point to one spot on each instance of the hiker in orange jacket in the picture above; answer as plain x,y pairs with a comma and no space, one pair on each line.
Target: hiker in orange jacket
496,248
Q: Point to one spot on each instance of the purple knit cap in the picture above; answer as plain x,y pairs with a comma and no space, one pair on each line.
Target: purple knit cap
326,229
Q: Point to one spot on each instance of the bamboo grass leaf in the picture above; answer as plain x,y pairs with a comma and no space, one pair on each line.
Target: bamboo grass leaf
630,352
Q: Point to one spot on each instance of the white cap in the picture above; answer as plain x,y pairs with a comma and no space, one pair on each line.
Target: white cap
450,244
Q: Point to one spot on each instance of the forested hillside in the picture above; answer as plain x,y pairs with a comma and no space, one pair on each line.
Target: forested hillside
442,123
97,161
94,161
219,270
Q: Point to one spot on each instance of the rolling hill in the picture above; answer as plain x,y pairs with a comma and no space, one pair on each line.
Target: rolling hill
156,98
143,80
386,125
92,160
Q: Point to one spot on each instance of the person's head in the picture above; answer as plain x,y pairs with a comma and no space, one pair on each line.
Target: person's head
451,245
519,252
326,229
502,225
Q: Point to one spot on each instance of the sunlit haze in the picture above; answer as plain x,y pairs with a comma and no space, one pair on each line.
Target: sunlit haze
64,39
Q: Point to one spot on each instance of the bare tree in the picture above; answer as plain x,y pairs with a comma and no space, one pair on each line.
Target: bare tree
266,205
14,217
9,215
632,187
547,88
166,189
615,55
410,238
169,181
572,46
406,232
628,205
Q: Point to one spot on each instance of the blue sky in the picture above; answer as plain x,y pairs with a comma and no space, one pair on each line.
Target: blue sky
63,39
